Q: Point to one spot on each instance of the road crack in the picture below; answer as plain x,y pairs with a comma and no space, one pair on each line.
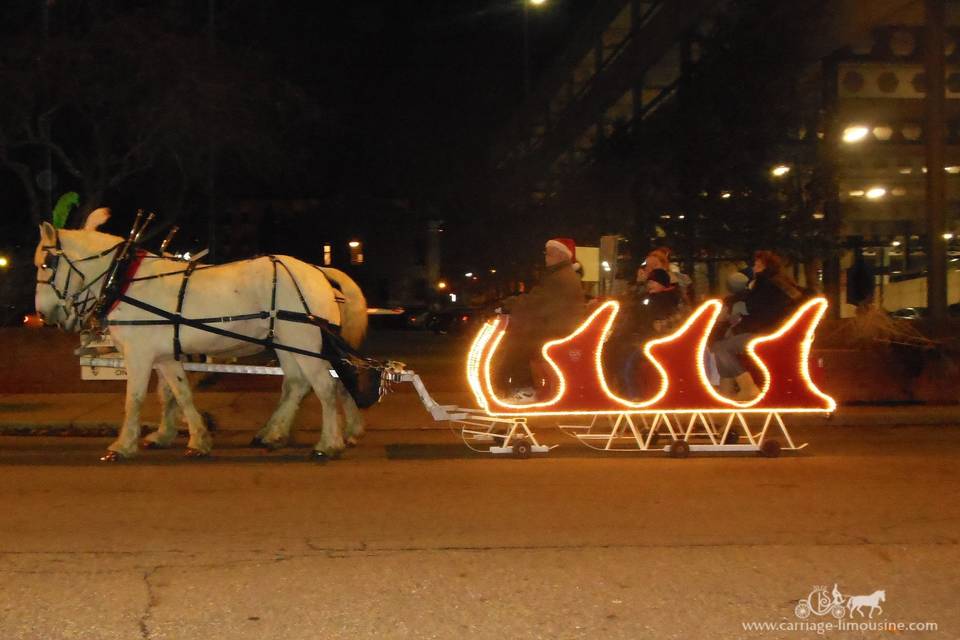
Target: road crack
152,601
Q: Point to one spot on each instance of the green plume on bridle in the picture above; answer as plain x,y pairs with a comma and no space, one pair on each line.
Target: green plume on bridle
62,209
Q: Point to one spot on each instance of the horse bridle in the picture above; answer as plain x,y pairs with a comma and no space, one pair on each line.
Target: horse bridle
51,261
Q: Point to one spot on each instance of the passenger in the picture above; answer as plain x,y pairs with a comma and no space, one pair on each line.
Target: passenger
734,306
552,309
659,258
658,313
771,297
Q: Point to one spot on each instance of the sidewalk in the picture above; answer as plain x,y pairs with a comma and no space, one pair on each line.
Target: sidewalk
101,413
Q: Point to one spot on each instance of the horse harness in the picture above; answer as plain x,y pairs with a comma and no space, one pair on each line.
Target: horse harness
51,261
331,331
95,310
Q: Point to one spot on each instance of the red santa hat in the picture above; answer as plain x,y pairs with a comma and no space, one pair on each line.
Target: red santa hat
566,246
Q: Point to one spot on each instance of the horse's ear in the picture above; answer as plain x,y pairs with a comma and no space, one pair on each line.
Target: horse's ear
96,218
48,235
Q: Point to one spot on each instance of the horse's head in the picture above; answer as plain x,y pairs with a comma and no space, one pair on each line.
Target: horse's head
883,595
64,286
50,280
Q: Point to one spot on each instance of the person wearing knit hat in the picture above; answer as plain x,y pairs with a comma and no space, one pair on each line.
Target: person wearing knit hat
657,313
658,277
552,309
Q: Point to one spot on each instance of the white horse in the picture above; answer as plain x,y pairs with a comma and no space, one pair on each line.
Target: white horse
71,266
873,601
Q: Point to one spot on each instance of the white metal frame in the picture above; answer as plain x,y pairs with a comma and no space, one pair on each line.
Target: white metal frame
623,432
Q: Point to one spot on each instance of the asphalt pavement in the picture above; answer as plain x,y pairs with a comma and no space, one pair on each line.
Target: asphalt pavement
412,535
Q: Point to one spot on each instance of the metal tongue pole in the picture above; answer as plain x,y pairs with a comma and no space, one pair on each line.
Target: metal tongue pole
166,241
139,225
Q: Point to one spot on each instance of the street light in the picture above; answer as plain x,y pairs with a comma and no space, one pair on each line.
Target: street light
4,263
855,133
526,43
876,192
780,170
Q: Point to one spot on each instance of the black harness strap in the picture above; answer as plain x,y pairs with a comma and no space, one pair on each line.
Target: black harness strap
273,300
170,273
176,326
201,323
338,295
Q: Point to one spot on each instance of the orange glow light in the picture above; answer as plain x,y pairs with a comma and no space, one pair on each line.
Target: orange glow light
782,358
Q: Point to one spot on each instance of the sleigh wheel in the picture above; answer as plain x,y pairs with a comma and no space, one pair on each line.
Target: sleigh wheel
679,449
770,449
521,448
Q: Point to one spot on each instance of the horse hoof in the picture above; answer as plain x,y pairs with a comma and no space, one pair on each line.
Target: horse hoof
257,443
195,453
111,456
351,442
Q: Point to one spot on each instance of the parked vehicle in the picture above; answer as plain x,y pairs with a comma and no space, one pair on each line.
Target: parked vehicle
453,321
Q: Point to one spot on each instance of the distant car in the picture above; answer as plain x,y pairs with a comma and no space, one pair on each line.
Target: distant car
910,313
416,317
452,321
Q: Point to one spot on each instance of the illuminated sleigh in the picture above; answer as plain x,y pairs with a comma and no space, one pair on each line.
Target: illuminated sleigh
684,407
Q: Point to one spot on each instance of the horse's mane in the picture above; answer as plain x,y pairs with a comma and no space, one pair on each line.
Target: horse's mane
95,240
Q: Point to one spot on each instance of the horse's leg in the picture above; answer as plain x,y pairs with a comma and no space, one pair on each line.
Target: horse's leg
276,432
200,442
354,428
170,415
317,371
138,379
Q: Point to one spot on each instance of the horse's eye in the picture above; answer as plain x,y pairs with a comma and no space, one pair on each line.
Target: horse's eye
50,261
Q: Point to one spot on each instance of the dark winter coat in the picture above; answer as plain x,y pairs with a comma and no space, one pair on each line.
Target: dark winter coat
769,301
553,308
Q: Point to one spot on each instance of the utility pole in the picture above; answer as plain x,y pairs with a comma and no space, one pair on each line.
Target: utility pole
526,50
212,150
44,125
831,204
935,133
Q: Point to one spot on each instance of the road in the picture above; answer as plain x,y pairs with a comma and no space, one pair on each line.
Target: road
412,536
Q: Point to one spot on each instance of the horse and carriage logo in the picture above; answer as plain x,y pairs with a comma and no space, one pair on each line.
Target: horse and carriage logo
822,602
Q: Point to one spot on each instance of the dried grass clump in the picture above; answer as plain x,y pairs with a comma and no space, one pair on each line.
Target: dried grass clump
874,327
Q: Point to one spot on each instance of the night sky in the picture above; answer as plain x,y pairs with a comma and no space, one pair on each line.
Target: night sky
411,92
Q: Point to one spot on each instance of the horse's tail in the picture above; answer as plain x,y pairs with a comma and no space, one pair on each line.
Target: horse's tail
353,312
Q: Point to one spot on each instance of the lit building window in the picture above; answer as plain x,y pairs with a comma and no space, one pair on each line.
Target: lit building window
356,252
327,255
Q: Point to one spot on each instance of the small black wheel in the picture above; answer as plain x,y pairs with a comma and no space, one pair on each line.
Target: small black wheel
770,449
732,437
679,449
521,448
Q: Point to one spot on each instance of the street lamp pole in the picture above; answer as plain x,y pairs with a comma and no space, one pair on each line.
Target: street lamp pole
936,154
526,49
526,43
